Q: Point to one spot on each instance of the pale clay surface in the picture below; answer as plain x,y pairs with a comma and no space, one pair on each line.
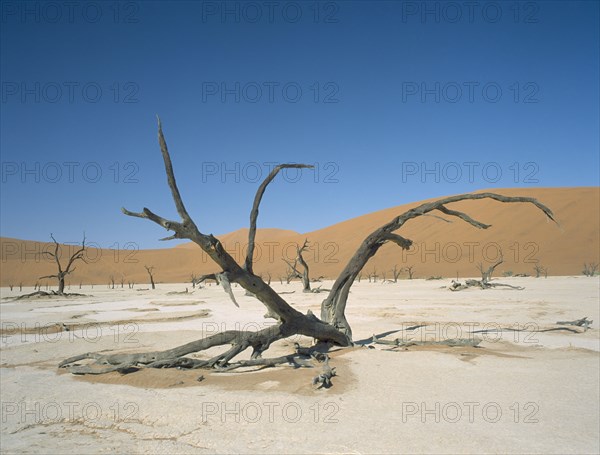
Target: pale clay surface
519,393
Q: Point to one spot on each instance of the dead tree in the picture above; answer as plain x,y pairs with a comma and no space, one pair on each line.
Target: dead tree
302,262
396,273
484,283
61,274
373,275
290,272
540,270
293,271
112,281
411,271
149,269
122,282
590,269
331,328
486,275
193,279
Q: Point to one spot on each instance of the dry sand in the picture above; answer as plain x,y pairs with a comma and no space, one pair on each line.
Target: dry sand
520,392
440,248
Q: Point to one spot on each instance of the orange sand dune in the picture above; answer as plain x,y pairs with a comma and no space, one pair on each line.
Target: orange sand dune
441,248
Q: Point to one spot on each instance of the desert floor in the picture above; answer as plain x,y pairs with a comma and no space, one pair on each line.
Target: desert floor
520,391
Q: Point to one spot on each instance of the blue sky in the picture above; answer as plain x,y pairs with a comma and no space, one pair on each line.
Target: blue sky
392,101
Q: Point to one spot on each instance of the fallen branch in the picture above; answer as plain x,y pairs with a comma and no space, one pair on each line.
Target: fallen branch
458,286
583,322
452,342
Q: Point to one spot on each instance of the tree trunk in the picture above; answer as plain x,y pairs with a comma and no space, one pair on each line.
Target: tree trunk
61,285
333,307
305,275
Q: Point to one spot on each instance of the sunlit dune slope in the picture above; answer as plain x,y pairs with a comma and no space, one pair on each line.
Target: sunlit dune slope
444,248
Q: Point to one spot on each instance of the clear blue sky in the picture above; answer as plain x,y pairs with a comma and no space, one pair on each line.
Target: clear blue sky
388,92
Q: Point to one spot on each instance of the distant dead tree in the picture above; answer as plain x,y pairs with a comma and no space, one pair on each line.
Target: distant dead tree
20,287
359,277
486,274
293,271
410,269
590,269
122,281
150,269
269,278
540,270
332,328
373,275
112,281
290,272
305,276
60,275
383,275
10,286
193,279
396,273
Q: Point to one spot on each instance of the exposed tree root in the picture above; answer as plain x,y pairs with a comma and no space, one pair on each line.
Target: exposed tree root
174,358
171,358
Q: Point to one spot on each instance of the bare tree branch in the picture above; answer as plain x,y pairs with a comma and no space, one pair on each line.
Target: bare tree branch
465,217
334,306
255,206
171,177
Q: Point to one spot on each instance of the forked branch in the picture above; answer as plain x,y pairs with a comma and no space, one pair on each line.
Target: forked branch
256,205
